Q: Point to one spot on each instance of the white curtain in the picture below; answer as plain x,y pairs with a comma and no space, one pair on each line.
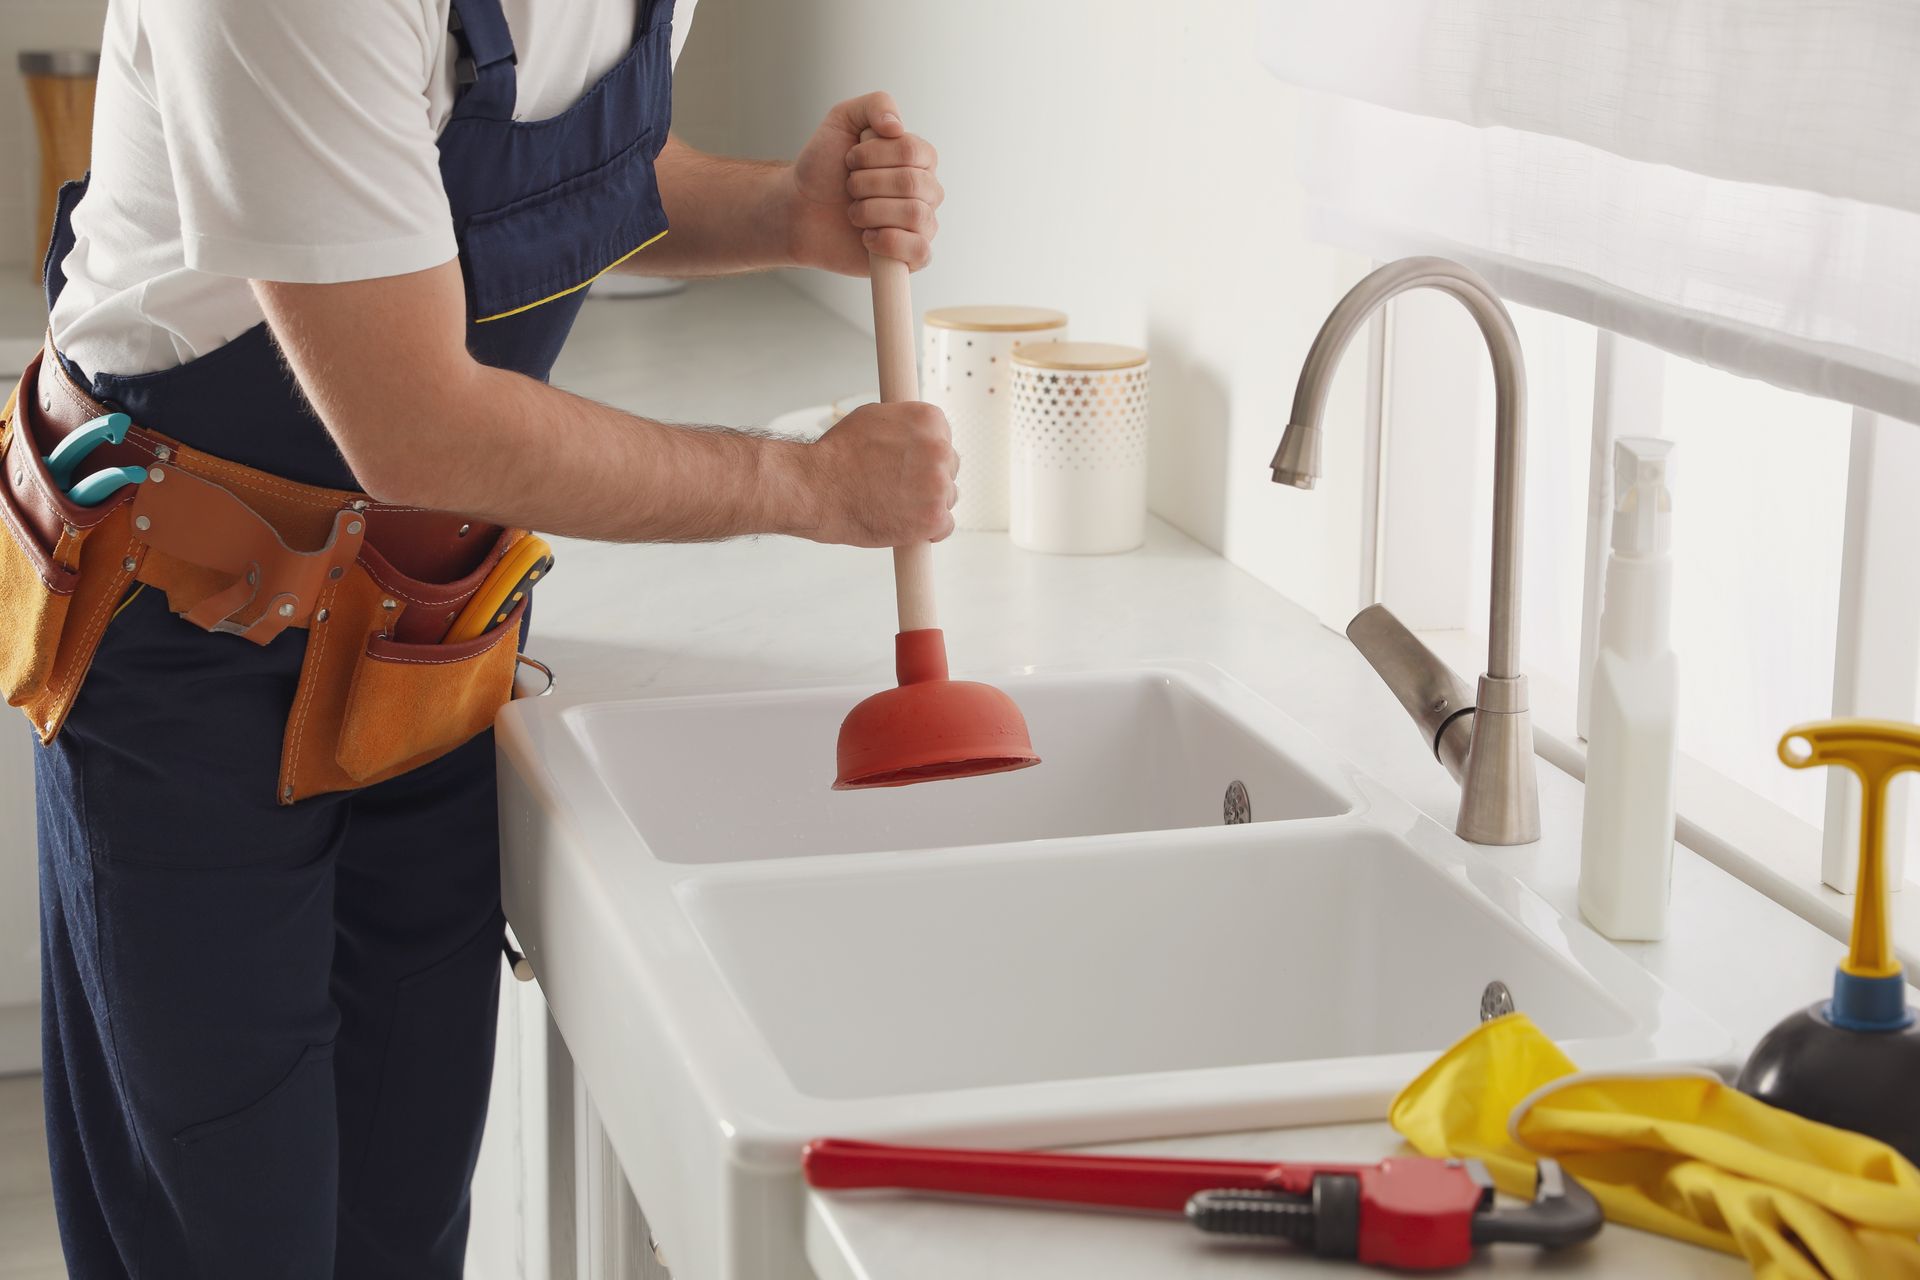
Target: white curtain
1737,181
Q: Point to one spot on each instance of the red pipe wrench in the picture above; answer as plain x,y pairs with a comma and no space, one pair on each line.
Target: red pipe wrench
1411,1213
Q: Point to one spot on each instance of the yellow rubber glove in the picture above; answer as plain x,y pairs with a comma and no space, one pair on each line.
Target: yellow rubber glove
1680,1154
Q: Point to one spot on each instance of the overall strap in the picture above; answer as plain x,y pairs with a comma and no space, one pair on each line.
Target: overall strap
646,11
484,67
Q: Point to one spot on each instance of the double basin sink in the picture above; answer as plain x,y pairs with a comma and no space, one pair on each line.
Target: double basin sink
1191,917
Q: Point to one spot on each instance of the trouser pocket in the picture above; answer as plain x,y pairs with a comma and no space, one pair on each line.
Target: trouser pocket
257,1189
430,1105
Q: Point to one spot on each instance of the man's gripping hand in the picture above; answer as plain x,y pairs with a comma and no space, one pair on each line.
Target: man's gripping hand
883,476
851,197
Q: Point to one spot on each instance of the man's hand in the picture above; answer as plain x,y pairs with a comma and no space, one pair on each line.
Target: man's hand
849,198
884,476
843,198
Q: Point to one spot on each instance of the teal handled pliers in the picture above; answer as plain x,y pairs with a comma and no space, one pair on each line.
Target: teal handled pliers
97,487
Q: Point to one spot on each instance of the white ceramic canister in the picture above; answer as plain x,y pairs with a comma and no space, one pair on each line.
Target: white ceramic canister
1079,447
967,370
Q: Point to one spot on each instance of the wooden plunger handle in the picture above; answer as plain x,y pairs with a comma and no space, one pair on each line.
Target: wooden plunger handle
900,380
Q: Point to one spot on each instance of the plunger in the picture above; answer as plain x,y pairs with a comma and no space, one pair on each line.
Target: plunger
930,727
1853,1061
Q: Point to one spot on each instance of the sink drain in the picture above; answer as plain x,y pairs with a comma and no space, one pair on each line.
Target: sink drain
1237,807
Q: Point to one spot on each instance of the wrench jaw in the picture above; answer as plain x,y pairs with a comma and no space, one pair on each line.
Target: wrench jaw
1563,1212
1404,1215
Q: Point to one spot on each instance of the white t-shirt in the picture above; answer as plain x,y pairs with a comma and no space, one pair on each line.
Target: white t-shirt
282,140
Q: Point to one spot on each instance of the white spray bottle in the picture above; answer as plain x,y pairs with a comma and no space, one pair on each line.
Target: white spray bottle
1626,845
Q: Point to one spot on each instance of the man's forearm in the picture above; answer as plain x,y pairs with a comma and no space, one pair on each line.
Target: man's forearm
385,364
727,216
540,457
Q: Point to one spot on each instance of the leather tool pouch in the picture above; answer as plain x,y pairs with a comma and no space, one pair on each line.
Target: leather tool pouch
63,569
37,581
239,551
373,703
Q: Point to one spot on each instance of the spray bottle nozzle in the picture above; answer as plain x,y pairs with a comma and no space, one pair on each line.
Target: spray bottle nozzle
1642,500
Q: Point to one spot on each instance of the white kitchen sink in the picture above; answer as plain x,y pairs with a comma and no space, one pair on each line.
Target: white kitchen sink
1076,953
1001,969
745,777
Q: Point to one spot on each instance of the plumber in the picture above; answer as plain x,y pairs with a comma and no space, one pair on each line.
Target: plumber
323,265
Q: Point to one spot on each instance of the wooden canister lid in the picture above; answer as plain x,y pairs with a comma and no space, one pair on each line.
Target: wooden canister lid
1080,355
996,319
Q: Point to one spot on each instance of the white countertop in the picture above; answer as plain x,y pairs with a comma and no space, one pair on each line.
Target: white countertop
763,613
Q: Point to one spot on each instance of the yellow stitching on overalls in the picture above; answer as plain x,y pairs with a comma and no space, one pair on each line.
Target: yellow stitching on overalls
570,288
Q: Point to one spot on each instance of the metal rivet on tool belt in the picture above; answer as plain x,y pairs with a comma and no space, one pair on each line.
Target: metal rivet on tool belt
253,577
129,564
335,572
321,616
388,604
465,529
46,401
142,523
286,611
161,453
353,526
156,475
358,504
286,792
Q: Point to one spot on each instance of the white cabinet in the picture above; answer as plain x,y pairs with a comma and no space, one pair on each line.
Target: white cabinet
549,1199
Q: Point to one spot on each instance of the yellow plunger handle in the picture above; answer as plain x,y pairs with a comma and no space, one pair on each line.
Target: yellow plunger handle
1875,750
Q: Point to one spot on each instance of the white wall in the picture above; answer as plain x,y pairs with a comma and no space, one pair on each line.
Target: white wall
1126,161
24,24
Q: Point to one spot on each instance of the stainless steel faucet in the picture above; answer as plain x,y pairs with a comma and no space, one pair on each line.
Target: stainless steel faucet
1486,743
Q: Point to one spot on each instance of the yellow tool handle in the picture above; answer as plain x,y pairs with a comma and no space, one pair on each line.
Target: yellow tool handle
1875,750
524,564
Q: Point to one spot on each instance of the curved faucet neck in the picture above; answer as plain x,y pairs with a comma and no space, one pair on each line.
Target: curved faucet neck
1510,396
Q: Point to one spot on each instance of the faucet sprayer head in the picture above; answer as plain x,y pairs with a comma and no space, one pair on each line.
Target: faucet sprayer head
1297,461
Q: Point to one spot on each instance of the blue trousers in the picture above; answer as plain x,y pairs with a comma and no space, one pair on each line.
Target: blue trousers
268,1031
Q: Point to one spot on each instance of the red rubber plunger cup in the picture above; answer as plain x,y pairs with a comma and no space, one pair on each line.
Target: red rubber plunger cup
930,727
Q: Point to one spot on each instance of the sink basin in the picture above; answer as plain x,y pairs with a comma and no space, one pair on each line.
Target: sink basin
727,779
1310,946
741,959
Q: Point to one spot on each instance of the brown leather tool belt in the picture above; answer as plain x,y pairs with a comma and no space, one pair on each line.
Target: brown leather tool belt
248,553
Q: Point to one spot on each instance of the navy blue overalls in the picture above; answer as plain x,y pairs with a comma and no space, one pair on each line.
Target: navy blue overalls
269,1030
